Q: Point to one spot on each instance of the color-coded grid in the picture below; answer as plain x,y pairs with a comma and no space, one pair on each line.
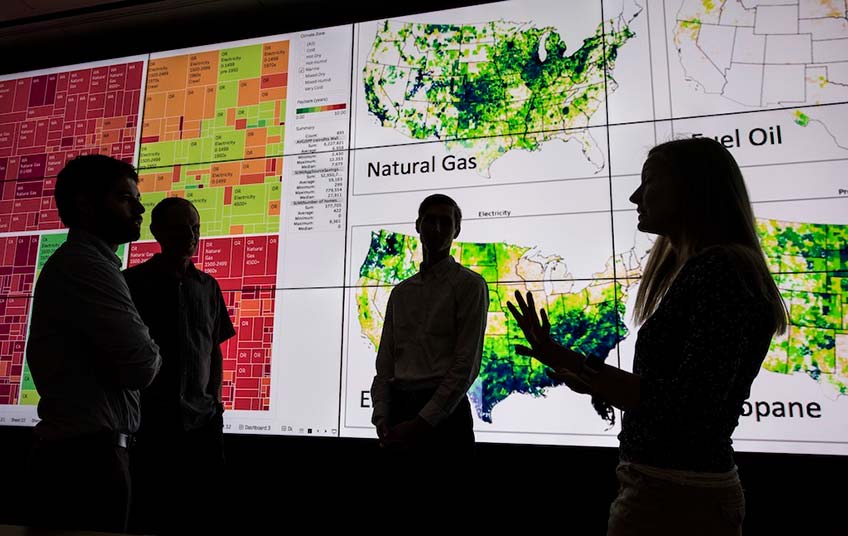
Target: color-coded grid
47,244
322,108
215,106
18,255
232,197
48,119
14,312
213,131
247,357
245,268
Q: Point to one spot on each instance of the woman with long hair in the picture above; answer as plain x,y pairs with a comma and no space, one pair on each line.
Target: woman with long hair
707,308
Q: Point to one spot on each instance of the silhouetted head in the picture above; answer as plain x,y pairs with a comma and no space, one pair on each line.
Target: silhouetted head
692,192
175,224
693,195
100,194
438,223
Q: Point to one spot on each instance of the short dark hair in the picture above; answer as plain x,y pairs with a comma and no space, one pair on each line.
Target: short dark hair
162,208
90,175
440,199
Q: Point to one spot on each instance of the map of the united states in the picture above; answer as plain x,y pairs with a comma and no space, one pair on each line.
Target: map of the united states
809,263
491,87
584,316
762,55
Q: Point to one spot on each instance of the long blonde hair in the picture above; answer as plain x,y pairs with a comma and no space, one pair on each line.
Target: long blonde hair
718,214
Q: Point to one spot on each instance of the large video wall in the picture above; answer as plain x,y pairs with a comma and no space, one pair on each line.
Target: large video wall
307,155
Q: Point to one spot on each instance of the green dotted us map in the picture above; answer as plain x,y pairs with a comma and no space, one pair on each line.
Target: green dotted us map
472,84
588,318
810,263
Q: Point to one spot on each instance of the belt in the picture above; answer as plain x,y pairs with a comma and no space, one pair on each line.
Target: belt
109,437
124,440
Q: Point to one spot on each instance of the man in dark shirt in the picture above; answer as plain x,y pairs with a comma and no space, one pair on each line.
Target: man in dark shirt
180,456
89,352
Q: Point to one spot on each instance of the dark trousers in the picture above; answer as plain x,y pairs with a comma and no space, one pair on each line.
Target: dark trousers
451,441
649,505
177,481
417,479
81,483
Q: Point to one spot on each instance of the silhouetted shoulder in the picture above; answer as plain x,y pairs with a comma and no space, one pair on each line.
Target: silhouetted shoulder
727,272
139,271
75,261
207,280
75,255
406,283
469,276
715,259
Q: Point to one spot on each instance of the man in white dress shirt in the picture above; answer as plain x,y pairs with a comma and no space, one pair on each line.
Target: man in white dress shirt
431,347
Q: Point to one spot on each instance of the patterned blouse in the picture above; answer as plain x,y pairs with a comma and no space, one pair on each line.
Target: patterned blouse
697,356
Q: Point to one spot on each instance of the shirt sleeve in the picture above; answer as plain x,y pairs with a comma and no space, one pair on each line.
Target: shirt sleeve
224,329
715,325
471,314
385,364
105,317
